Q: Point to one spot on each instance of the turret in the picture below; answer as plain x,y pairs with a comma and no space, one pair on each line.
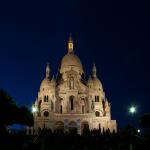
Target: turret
94,74
53,81
107,108
47,71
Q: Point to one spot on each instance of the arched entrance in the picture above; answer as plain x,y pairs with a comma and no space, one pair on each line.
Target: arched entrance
84,126
59,126
72,126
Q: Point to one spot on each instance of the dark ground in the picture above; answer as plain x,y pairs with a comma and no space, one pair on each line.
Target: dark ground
90,140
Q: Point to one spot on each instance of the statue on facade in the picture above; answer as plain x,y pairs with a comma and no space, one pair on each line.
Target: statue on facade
71,83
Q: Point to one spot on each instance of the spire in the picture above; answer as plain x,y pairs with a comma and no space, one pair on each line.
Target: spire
47,71
90,79
94,71
70,44
53,80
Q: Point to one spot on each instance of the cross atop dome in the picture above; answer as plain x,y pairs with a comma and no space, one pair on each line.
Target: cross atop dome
70,44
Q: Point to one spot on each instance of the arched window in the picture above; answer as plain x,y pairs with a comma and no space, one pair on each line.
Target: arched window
44,125
52,105
97,113
46,113
83,109
96,98
45,98
61,109
71,102
103,102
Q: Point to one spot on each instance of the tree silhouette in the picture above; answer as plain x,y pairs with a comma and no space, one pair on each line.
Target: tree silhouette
10,113
24,116
8,109
145,121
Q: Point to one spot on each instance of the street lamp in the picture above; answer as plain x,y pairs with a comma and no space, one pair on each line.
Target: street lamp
34,109
132,110
138,130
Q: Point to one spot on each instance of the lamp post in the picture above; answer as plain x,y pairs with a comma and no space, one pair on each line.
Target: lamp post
132,111
34,109
138,130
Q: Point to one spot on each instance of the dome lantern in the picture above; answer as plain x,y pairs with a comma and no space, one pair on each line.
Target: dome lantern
70,44
70,60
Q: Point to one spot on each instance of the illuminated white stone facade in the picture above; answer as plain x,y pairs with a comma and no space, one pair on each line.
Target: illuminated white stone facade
70,102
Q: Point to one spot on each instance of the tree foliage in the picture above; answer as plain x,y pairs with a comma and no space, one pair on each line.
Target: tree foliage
25,117
145,121
8,109
10,113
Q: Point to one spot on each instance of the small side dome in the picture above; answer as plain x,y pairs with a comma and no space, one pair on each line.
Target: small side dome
97,84
45,84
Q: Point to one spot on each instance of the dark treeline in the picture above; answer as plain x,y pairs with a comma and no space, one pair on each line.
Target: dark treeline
11,113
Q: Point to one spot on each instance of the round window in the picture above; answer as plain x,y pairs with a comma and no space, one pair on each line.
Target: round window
46,114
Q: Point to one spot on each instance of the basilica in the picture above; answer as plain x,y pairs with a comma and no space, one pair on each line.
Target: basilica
69,101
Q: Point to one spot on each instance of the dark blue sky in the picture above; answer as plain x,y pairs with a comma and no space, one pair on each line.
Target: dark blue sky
113,34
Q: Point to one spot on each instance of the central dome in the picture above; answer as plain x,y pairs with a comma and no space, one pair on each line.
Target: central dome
69,61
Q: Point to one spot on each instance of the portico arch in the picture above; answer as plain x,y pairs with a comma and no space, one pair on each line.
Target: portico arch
84,126
72,126
59,125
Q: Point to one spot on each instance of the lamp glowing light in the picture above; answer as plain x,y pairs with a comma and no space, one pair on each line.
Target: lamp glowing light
34,109
132,109
138,130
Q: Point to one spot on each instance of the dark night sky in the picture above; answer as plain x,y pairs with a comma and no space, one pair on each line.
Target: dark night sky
113,34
